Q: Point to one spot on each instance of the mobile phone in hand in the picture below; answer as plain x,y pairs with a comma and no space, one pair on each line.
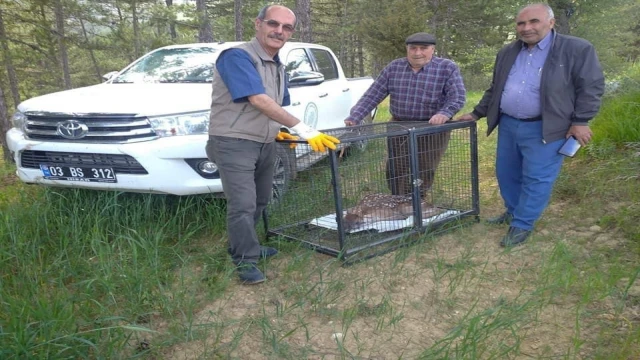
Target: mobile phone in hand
570,147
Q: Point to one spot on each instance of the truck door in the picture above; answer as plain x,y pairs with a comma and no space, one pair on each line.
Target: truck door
304,104
336,94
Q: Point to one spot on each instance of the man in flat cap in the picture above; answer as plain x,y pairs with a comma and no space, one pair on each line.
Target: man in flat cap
422,87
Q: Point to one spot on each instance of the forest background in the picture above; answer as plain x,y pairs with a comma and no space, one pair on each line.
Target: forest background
52,45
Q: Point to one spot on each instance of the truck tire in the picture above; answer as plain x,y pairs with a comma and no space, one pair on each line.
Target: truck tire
361,145
357,147
284,171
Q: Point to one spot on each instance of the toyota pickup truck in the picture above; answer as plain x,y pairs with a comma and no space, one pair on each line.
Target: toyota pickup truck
145,128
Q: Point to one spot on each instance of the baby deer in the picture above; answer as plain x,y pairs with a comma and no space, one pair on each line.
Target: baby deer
382,207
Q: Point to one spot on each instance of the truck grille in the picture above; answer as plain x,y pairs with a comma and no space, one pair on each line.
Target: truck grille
121,164
118,128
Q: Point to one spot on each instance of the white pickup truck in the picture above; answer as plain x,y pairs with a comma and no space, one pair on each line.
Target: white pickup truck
145,128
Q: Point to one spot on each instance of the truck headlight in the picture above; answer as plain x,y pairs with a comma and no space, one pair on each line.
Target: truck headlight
181,124
18,119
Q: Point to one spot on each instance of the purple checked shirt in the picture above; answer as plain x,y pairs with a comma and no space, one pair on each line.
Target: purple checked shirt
437,88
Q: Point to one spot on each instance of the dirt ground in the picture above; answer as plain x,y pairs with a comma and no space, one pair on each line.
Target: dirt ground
455,292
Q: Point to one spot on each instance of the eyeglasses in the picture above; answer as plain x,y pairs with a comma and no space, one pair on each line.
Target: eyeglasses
276,24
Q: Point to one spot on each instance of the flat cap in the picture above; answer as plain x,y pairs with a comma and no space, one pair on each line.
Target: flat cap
421,38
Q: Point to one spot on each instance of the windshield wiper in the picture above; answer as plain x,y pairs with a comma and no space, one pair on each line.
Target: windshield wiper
185,81
167,81
195,81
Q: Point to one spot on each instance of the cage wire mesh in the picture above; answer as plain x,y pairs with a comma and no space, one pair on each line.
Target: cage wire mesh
387,181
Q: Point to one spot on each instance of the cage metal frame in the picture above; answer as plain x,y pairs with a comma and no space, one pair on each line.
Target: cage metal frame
355,134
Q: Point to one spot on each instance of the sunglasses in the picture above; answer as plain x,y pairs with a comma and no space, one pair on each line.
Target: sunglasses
276,24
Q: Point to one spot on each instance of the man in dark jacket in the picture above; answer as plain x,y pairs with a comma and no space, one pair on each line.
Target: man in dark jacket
545,88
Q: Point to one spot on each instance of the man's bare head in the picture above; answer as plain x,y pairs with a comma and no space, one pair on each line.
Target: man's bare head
534,22
275,25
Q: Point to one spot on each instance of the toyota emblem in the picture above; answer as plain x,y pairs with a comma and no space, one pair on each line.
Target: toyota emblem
72,129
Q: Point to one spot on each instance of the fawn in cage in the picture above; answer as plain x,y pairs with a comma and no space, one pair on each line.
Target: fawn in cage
383,207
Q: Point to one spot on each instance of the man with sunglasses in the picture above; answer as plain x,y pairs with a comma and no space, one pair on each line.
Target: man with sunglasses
422,87
249,91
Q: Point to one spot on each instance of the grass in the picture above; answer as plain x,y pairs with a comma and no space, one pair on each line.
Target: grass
79,267
105,275
625,109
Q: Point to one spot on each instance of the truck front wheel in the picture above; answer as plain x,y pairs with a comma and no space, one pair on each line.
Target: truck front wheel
284,172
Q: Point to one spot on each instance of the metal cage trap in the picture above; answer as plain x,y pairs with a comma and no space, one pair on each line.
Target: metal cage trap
384,184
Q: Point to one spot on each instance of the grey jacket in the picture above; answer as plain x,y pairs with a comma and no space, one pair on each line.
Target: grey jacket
243,120
571,86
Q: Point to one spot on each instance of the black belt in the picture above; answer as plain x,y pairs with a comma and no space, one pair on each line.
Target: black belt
537,118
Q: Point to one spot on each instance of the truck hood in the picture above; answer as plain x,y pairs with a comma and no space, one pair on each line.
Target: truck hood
140,99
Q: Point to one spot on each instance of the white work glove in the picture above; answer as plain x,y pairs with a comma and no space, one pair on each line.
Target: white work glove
317,140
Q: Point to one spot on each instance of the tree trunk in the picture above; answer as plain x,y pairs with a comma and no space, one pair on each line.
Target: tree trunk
303,16
444,34
360,56
345,55
62,46
237,10
5,125
344,47
205,34
172,23
136,30
563,10
51,61
119,31
96,67
11,71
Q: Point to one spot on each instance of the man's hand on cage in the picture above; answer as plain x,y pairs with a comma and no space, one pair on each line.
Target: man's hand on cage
286,136
317,140
438,119
349,122
467,117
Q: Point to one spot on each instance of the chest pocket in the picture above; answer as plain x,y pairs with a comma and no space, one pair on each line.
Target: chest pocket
427,91
274,82
533,80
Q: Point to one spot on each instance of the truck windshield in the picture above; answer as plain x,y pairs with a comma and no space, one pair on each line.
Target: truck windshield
181,65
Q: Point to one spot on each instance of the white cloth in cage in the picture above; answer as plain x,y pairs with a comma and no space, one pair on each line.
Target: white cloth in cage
329,222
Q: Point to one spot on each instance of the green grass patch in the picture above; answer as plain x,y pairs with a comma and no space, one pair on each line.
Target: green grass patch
82,271
617,124
107,275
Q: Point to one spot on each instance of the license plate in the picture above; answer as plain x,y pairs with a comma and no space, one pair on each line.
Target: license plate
78,173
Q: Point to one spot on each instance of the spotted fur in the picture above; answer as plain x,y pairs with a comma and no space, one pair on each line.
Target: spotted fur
382,207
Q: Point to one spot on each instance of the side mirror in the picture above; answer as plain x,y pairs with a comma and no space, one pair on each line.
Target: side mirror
109,75
305,78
